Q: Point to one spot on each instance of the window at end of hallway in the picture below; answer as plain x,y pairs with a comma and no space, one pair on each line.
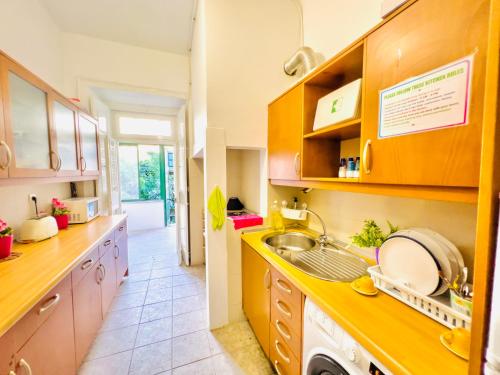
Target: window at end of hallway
145,127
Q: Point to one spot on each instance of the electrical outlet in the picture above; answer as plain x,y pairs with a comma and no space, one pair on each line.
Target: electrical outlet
32,197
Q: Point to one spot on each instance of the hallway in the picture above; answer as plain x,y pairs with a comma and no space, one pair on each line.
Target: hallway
158,322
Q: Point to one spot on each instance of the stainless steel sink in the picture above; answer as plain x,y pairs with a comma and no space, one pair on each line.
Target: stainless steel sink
324,262
292,241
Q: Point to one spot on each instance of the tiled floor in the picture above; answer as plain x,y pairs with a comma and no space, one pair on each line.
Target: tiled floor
158,321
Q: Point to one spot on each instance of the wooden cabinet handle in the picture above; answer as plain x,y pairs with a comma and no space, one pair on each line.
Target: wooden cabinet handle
282,355
87,264
59,161
26,366
267,279
283,286
83,163
117,252
283,308
9,155
277,367
281,330
107,242
296,164
367,156
50,303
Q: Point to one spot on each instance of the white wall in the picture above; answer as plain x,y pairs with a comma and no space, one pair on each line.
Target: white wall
247,43
331,25
15,206
28,34
91,59
144,215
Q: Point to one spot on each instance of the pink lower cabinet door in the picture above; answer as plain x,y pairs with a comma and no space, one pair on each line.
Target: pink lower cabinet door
107,279
121,257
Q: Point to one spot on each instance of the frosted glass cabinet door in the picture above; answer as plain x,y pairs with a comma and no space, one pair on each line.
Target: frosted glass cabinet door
88,145
67,151
28,127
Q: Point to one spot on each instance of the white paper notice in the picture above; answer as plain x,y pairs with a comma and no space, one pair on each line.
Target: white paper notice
434,100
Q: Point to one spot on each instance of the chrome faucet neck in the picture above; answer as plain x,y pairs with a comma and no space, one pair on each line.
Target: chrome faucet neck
323,239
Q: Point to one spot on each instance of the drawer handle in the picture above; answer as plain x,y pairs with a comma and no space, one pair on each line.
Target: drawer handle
50,303
267,279
277,367
121,228
87,264
296,164
367,157
277,346
117,252
107,243
24,364
283,308
280,327
283,286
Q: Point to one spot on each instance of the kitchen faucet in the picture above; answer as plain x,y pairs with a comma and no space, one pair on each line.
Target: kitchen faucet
323,239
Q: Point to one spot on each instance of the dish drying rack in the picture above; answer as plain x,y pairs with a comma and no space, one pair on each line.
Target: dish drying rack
437,308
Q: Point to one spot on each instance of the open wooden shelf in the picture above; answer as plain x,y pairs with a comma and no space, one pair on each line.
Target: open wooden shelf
344,130
332,179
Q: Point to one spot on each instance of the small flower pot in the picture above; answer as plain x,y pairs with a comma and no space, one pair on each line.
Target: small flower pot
62,221
6,246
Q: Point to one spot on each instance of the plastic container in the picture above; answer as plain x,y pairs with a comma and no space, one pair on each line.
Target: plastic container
276,218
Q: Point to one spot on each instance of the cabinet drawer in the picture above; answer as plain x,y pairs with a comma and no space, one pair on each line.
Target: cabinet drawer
288,328
282,358
289,293
84,266
107,243
287,312
41,312
121,230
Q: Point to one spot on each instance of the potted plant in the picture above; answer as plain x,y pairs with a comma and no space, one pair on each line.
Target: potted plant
6,239
371,236
60,213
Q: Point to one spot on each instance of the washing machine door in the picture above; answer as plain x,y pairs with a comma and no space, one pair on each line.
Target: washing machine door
321,364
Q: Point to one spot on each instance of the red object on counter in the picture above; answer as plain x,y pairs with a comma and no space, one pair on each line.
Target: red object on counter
6,246
245,221
62,221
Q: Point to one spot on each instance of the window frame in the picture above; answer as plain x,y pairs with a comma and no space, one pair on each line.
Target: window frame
138,138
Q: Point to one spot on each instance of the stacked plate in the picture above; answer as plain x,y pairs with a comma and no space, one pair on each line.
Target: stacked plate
414,257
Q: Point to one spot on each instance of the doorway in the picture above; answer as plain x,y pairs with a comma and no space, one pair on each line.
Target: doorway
147,183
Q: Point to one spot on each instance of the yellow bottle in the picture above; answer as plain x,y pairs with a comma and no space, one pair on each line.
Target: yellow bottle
276,218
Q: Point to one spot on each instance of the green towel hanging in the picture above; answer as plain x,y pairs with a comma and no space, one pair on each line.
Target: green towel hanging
217,207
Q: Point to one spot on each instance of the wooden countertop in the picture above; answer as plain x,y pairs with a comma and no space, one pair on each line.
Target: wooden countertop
24,281
404,340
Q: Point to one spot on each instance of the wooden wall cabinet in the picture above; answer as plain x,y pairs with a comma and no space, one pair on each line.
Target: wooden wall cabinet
416,41
89,145
5,152
285,135
256,284
27,127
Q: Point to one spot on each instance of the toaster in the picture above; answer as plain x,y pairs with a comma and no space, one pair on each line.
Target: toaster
37,229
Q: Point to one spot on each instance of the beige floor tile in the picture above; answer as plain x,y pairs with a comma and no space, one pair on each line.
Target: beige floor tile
141,267
248,361
232,338
112,342
133,287
188,304
203,367
188,290
161,283
152,359
190,348
117,364
162,272
189,322
139,276
185,279
155,331
158,295
127,301
122,318
156,311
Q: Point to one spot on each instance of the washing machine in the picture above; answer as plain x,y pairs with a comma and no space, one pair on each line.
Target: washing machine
329,350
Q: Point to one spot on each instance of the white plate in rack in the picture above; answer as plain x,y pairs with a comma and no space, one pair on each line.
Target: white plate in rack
408,261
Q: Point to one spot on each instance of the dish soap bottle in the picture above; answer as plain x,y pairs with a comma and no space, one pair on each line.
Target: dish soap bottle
276,218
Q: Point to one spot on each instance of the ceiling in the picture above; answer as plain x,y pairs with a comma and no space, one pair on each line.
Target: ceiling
114,97
158,24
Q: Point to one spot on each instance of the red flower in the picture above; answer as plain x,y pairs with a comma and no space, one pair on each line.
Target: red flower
3,225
